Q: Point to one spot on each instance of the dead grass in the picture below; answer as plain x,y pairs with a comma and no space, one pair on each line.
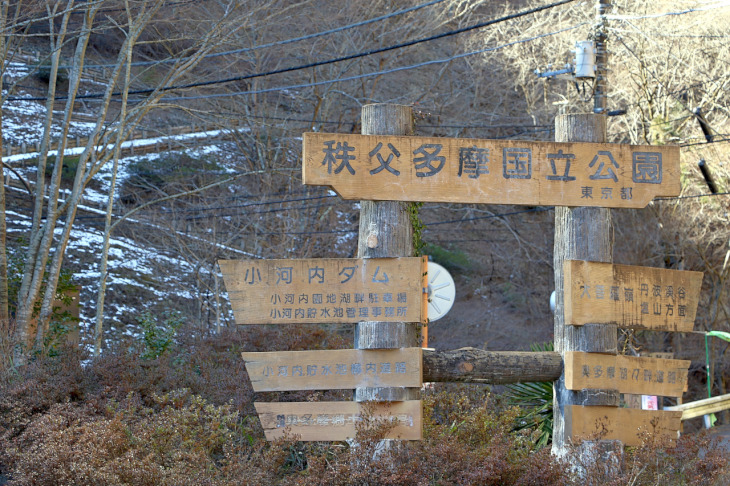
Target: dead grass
187,418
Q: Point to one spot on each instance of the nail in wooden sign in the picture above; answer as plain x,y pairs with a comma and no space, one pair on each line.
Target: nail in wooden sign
627,374
334,290
335,421
378,167
625,424
630,296
334,369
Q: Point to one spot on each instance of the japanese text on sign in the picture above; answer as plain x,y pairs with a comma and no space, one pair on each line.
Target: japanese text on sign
630,296
319,421
627,374
490,171
326,290
334,369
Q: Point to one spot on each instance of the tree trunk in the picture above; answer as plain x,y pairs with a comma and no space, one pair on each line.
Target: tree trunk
99,324
4,297
40,241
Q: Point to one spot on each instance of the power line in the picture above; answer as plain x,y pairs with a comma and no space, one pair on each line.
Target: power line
329,61
282,201
366,75
284,42
704,142
666,14
693,196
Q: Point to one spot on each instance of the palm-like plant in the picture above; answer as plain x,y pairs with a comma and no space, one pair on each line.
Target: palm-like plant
536,401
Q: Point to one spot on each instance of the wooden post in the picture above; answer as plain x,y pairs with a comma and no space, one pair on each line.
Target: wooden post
473,365
385,231
581,234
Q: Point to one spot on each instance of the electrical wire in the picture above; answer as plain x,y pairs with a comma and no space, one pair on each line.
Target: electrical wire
722,4
363,76
334,60
282,42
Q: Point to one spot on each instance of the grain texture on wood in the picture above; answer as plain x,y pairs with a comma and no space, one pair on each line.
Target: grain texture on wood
336,421
325,290
334,369
386,231
380,167
472,365
580,234
702,407
627,374
629,425
630,296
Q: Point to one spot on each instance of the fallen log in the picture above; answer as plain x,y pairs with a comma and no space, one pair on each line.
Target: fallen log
472,365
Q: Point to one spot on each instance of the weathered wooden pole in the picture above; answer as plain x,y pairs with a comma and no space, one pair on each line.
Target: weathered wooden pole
580,234
473,365
385,231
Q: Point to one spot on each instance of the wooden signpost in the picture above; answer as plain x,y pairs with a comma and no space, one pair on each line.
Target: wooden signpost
629,296
381,294
490,171
627,374
624,424
341,290
334,369
325,421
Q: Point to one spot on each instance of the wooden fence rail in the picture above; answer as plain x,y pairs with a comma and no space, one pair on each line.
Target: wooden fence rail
702,407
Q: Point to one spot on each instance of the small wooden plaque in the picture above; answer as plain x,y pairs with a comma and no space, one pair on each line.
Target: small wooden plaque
627,374
379,167
630,296
335,421
624,424
334,369
327,290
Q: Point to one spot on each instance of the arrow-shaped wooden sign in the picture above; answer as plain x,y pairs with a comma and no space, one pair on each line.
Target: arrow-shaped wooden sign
627,374
334,369
323,421
630,296
629,425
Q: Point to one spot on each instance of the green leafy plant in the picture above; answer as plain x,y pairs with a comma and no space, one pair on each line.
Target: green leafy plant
159,338
68,169
43,72
418,227
535,399
452,260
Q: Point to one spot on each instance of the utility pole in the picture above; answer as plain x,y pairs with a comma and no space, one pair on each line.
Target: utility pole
600,35
584,233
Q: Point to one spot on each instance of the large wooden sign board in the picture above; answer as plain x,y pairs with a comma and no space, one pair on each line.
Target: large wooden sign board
624,424
331,290
379,167
325,421
630,296
334,369
627,374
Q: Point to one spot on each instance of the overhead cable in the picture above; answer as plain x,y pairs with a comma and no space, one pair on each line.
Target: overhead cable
330,61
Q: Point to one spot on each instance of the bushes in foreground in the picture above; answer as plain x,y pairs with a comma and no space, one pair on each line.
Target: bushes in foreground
186,417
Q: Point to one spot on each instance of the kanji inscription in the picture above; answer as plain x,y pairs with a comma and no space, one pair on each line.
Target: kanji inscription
334,369
326,290
627,374
629,425
630,296
315,421
490,171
